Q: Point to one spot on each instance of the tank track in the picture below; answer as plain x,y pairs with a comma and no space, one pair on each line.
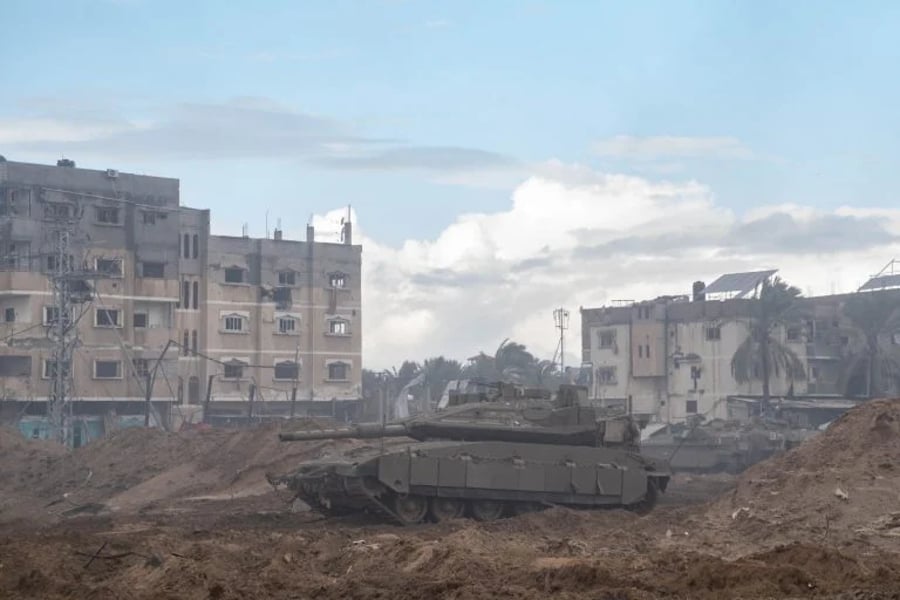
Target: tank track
336,495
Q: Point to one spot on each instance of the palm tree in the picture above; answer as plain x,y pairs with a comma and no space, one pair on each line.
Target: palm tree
437,373
762,355
511,362
876,320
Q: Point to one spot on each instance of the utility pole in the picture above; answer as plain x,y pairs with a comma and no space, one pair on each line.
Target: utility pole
561,320
63,332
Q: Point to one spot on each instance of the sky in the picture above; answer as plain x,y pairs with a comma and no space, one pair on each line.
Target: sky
501,158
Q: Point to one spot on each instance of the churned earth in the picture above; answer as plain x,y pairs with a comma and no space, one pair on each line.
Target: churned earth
147,514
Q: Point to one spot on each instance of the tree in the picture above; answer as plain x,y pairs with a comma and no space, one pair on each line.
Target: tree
438,372
762,355
875,317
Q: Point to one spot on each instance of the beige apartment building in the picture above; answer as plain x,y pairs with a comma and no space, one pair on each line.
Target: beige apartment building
670,358
235,324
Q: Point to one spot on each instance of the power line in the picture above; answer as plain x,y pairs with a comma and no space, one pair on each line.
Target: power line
21,331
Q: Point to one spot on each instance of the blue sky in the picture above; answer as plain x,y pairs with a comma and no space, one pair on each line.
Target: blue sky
808,87
736,116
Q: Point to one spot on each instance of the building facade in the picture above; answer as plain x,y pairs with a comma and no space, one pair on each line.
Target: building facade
670,358
228,320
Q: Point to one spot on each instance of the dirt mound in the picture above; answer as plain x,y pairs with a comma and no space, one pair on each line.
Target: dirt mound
464,561
134,469
843,484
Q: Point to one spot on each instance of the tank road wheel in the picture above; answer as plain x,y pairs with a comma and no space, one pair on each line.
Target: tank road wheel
409,509
445,509
486,510
649,501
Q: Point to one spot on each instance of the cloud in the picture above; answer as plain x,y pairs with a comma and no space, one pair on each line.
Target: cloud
242,128
48,129
653,148
575,237
428,158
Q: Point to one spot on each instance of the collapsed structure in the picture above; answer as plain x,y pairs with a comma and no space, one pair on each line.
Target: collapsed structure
110,286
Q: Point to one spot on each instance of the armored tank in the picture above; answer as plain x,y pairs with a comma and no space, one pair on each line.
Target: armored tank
486,459
720,446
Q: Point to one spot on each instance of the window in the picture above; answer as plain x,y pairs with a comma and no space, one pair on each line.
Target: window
9,315
690,407
107,369
107,317
647,351
337,280
338,327
108,215
52,262
338,371
139,320
194,390
154,270
607,338
713,333
195,245
234,370
150,217
185,343
287,325
234,323
186,294
109,266
57,210
50,369
194,341
186,246
15,366
606,376
196,288
640,351
287,370
51,315
180,392
141,367
287,278
234,275
793,334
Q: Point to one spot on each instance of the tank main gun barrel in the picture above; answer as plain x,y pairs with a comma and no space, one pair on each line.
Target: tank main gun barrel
429,430
361,431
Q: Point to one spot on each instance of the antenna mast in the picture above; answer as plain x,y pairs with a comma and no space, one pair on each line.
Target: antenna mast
561,320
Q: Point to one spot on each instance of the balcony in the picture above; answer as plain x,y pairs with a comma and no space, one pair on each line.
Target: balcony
163,290
22,283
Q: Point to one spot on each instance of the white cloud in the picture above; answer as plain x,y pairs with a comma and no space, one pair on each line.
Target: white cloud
667,147
30,130
575,237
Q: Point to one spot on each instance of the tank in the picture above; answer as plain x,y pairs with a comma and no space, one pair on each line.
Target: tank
720,446
506,454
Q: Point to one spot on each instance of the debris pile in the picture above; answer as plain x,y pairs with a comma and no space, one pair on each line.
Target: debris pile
137,468
841,485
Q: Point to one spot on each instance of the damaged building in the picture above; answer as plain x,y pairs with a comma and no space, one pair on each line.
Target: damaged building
231,324
671,358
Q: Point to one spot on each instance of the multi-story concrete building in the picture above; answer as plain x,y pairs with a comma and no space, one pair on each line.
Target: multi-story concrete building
671,358
228,320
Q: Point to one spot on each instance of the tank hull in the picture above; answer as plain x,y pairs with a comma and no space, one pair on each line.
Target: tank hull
473,475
